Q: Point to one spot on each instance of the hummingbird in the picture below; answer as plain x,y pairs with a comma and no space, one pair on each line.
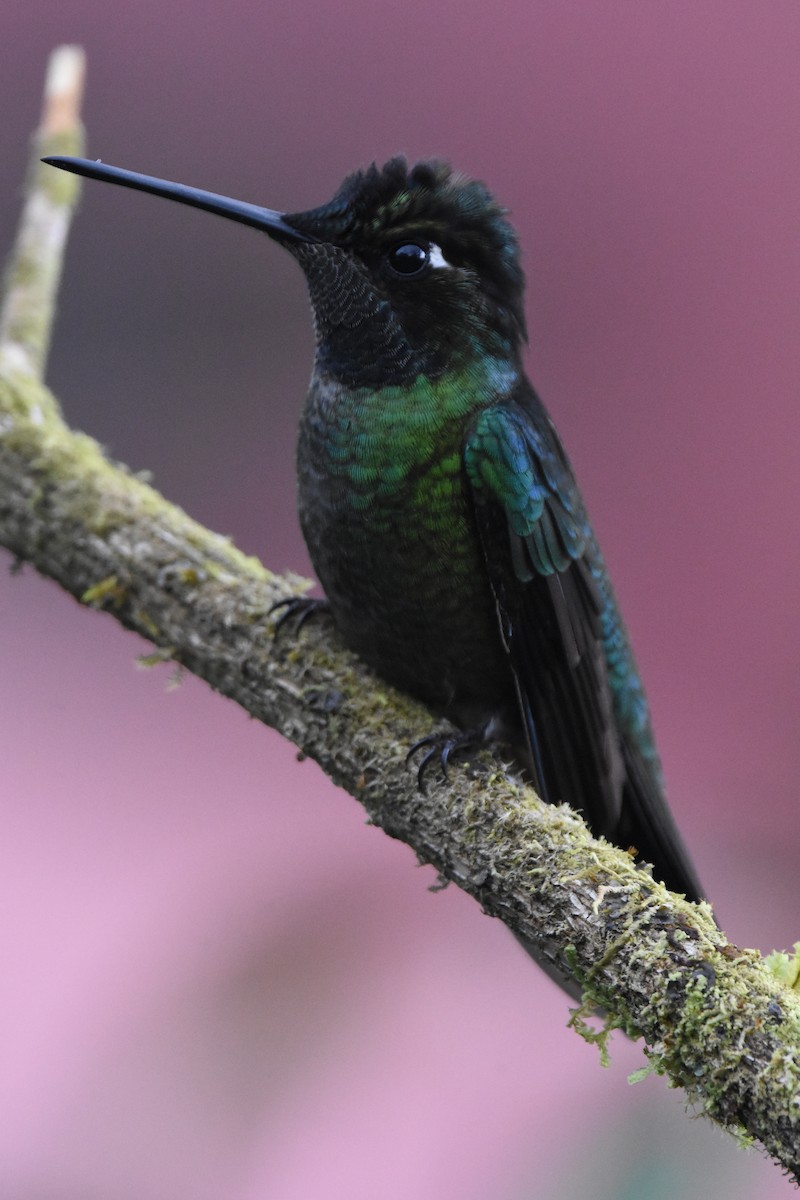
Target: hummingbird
439,507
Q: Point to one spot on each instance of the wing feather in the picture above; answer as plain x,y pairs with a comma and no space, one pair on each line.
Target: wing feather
581,700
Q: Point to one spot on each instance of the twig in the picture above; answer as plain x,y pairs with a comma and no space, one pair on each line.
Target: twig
713,1017
34,272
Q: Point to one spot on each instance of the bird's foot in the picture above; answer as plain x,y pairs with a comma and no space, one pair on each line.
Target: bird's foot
296,611
445,747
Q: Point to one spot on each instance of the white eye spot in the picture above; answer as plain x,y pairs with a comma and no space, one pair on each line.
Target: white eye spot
436,258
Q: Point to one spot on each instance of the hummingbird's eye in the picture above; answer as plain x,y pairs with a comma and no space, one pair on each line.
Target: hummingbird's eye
409,258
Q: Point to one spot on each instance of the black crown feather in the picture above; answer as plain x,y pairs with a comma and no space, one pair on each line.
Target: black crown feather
429,199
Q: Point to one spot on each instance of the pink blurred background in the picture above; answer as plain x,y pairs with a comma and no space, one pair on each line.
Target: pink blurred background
217,981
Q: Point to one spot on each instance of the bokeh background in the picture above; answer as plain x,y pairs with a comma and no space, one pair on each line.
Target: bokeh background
218,982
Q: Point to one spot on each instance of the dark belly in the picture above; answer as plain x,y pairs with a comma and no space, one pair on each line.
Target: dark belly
410,595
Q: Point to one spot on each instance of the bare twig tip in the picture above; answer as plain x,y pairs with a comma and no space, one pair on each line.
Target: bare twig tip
63,90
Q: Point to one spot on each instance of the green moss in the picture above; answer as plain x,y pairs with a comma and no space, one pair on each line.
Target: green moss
161,655
146,624
192,576
106,591
25,400
594,1037
785,967
641,1074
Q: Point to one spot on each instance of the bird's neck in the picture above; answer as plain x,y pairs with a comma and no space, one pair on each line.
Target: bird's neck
393,428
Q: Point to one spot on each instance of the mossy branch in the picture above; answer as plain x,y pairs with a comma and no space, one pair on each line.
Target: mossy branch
714,1018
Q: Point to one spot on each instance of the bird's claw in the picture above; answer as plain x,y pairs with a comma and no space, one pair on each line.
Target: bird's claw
297,609
443,746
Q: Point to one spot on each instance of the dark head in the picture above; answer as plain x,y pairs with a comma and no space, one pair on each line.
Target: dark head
411,269
428,254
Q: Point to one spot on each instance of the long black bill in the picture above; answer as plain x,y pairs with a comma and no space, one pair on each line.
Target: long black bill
265,219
